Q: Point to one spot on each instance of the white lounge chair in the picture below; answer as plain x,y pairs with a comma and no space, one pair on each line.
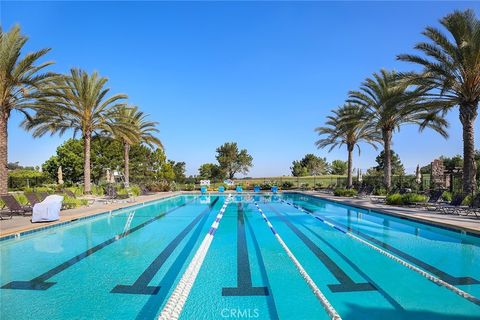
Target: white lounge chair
48,209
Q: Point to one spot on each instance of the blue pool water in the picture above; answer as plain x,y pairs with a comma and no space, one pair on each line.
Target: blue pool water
126,264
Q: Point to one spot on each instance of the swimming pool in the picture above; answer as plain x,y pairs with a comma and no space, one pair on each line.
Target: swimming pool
126,264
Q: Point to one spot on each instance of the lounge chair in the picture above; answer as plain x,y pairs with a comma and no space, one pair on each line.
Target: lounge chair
32,198
434,199
365,191
42,195
239,189
274,189
14,206
454,207
256,189
473,208
203,190
69,193
48,209
221,189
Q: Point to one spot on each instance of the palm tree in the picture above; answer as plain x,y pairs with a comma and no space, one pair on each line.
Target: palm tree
348,125
451,69
78,101
392,102
143,130
21,84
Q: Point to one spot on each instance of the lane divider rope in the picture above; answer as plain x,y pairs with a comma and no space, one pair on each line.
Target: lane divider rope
318,293
174,306
423,273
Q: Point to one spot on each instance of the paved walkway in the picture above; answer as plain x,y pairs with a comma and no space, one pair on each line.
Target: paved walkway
466,223
20,224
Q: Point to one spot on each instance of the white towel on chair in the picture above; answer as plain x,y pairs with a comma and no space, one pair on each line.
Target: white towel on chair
48,209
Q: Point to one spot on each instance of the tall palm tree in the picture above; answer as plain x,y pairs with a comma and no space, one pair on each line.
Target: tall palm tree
348,125
391,103
21,83
451,68
143,129
78,101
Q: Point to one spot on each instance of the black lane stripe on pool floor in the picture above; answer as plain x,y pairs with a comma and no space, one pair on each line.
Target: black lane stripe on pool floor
272,307
422,264
346,284
151,307
40,282
140,286
244,274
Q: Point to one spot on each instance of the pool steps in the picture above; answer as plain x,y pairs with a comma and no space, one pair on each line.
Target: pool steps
174,306
423,273
318,293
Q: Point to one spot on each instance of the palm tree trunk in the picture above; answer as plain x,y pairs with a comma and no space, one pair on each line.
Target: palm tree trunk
86,162
387,161
350,167
4,151
468,114
126,154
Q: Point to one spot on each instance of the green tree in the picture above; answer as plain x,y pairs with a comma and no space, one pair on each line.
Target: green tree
298,170
232,160
391,103
167,173
78,101
210,171
451,69
142,132
397,166
179,170
349,126
339,167
310,165
145,163
21,85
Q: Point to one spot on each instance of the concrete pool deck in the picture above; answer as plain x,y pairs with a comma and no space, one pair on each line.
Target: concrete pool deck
18,224
470,224
466,223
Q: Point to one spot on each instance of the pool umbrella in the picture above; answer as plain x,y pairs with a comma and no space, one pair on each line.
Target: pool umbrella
418,175
360,177
60,175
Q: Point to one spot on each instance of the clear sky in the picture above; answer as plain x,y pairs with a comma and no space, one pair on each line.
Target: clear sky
263,74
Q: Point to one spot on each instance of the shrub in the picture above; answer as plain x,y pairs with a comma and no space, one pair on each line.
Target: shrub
405,199
345,192
136,191
98,190
447,196
266,186
468,200
159,186
305,186
189,187
380,191
71,203
21,198
287,185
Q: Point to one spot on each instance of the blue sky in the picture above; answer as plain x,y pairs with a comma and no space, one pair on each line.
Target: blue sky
263,74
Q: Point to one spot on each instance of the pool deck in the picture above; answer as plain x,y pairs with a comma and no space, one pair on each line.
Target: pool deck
466,223
20,224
